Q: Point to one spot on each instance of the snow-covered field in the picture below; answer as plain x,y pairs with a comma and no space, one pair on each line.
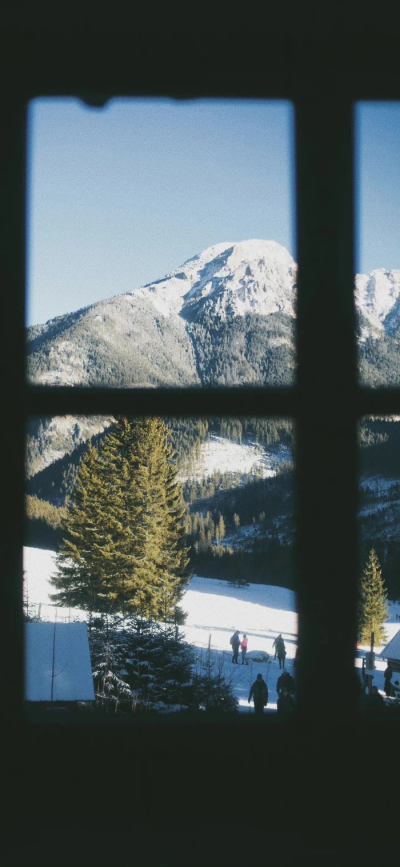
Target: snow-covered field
214,611
247,457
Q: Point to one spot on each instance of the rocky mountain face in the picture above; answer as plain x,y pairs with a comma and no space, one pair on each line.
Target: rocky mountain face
377,297
226,316
155,334
221,302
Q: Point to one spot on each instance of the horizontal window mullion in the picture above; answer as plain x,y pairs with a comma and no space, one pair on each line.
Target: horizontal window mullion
380,401
45,400
42,400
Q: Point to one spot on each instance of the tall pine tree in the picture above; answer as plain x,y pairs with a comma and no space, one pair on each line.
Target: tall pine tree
123,546
373,607
83,577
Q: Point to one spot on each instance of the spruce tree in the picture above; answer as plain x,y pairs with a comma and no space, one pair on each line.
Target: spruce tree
123,543
373,607
152,557
83,577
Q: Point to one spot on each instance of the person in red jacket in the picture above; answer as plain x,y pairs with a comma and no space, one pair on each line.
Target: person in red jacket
243,647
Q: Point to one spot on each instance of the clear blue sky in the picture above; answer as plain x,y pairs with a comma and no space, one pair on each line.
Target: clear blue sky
120,196
377,160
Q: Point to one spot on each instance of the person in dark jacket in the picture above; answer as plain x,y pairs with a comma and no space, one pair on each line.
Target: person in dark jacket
276,644
259,692
387,674
286,681
281,651
235,642
285,704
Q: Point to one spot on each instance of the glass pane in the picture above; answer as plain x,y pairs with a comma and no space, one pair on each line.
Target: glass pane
165,538
377,285
161,243
379,522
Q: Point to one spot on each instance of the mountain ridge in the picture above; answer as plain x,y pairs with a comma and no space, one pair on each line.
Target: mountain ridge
251,273
225,317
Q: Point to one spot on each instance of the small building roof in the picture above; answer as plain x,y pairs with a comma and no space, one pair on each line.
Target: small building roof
57,655
392,649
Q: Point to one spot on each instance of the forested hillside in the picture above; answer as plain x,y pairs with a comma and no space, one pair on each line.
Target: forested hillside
240,524
253,349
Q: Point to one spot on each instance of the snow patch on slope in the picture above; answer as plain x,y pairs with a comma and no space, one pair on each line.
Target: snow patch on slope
220,454
68,431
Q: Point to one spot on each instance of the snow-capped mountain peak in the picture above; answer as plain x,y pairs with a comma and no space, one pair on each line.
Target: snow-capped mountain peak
377,296
209,321
232,279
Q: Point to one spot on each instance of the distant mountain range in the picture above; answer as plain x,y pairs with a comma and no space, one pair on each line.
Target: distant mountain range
225,317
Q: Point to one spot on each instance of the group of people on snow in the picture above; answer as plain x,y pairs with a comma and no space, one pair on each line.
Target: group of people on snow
235,644
285,685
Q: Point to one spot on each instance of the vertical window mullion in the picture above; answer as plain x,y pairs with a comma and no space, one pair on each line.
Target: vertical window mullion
326,434
12,366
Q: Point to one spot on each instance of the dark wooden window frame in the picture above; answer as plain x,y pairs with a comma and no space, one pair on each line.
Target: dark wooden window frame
323,79
324,790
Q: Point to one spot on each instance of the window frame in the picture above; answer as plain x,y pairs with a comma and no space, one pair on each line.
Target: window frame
326,402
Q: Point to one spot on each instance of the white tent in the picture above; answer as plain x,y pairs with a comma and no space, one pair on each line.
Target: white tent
57,663
392,652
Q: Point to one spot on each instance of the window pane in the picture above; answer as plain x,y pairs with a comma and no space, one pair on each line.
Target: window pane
379,522
161,243
162,580
377,127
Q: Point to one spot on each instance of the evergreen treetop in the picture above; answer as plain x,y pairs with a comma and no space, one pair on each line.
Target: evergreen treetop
373,607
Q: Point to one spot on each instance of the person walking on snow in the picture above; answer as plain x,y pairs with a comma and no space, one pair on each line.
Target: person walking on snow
275,644
281,651
243,647
259,691
235,642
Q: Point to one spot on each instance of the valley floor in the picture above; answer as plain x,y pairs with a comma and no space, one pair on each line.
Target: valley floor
214,611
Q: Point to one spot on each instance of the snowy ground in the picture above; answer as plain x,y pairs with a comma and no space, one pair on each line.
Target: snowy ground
221,455
214,611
